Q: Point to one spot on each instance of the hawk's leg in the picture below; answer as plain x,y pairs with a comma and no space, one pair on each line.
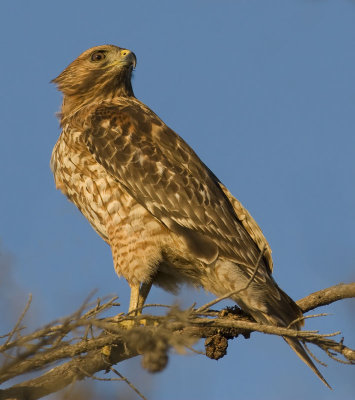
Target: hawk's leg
143,294
133,301
139,294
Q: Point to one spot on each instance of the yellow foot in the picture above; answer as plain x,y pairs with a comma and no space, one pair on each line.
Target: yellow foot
130,323
106,351
127,324
134,323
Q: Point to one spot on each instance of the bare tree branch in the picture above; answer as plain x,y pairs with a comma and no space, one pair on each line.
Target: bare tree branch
327,296
67,341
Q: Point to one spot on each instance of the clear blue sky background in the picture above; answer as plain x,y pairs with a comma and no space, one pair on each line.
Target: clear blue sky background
264,92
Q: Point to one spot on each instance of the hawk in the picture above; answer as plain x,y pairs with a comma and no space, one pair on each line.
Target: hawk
167,218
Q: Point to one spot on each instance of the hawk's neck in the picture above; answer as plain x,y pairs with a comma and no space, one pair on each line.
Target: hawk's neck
77,97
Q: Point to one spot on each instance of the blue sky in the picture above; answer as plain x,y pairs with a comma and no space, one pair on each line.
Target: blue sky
264,92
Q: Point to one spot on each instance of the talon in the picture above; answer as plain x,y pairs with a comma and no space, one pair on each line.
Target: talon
128,323
106,351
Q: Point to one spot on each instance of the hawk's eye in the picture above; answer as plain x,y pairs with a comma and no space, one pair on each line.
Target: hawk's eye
98,56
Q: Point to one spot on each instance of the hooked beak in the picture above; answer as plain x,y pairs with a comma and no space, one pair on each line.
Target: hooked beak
128,58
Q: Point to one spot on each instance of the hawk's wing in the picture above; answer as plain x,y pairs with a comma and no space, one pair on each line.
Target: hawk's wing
162,173
250,225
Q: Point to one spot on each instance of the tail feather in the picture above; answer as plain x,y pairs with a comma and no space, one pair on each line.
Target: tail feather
297,347
268,304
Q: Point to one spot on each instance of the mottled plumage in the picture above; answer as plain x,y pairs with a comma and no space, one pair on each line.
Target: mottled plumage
166,216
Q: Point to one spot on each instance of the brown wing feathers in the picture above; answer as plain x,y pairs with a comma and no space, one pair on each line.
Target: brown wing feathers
162,173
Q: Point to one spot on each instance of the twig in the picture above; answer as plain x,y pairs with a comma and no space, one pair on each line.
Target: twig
134,311
130,384
20,319
307,317
202,353
313,356
106,379
57,326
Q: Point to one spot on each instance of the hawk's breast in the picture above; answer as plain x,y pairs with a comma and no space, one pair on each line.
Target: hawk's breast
135,236
84,181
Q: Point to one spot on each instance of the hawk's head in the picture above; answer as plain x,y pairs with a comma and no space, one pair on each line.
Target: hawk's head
104,70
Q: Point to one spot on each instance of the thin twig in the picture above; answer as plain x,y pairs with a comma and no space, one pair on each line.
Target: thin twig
313,355
195,351
307,317
130,384
335,358
59,325
132,312
20,319
107,379
21,328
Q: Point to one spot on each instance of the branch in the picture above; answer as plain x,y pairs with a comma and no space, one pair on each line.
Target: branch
87,344
327,296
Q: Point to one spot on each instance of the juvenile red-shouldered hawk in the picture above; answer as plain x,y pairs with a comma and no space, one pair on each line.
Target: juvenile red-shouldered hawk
166,216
